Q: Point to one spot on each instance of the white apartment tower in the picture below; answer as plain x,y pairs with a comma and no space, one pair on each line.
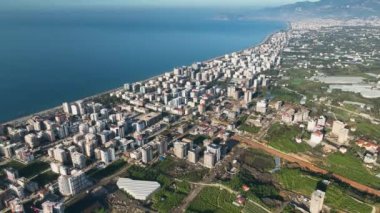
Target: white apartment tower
316,201
147,153
180,150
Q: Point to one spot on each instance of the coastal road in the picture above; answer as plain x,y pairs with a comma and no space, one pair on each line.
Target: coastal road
304,164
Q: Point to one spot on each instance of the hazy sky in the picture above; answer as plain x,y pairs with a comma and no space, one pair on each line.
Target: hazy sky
25,4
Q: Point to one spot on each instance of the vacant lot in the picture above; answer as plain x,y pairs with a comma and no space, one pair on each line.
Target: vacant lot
249,129
45,178
27,170
258,159
351,167
336,197
213,200
99,174
282,137
251,207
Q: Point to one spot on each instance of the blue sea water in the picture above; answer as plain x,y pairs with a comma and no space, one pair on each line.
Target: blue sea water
51,56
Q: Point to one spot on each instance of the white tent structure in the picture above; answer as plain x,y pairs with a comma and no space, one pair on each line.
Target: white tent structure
138,189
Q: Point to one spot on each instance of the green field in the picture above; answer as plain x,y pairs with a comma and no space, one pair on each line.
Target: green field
27,170
340,114
14,164
141,173
282,137
198,140
296,180
45,178
249,129
336,197
281,94
258,190
166,167
251,207
214,200
114,167
258,159
351,167
170,195
367,129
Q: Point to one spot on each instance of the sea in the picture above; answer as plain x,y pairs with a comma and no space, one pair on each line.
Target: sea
48,57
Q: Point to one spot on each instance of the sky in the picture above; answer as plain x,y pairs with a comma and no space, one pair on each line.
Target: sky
32,4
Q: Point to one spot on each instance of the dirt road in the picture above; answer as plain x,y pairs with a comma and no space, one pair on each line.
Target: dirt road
304,164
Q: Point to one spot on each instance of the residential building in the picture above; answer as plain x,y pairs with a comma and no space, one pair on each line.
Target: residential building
209,159
146,153
78,160
72,184
52,207
316,201
180,150
215,149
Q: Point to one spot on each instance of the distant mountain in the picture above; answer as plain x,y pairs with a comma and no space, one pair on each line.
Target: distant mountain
319,9
330,8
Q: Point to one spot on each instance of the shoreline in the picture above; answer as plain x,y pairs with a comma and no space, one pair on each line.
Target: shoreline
55,109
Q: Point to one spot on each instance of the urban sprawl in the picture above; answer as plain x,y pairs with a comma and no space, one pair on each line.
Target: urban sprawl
291,125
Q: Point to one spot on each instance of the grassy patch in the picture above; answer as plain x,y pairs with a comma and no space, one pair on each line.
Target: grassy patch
14,164
141,173
213,200
341,115
351,167
33,168
337,198
99,174
258,190
45,178
367,129
258,160
27,170
301,182
198,140
282,94
170,196
309,88
249,129
282,137
170,164
251,207
297,181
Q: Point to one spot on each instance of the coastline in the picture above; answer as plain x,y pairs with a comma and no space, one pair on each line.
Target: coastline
16,121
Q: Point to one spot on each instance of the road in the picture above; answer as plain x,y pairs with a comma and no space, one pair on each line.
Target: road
363,115
190,197
304,164
198,188
46,170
